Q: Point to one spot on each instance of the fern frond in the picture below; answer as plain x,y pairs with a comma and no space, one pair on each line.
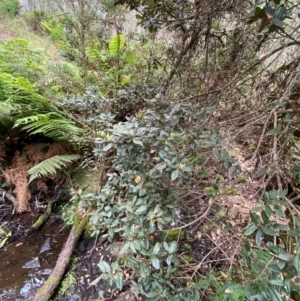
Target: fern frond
6,120
57,128
53,28
71,69
116,44
50,166
23,95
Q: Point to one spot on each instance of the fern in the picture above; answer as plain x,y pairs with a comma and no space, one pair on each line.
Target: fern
50,166
116,44
17,59
54,29
6,122
57,128
23,96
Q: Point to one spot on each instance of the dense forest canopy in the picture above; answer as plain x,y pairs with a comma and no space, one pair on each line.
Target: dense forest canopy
187,119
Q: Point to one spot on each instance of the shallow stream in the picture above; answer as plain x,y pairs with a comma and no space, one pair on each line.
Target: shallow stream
28,258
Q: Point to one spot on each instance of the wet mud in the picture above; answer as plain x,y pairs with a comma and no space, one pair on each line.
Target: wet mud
28,258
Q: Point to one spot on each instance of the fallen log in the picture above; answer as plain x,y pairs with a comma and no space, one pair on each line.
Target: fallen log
48,288
44,217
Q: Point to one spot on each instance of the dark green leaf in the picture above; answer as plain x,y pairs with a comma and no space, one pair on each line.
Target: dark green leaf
137,141
261,172
120,282
280,24
269,9
174,174
283,193
160,166
268,211
188,168
270,231
283,227
173,247
264,216
277,129
250,230
274,268
291,270
279,212
142,192
247,245
104,266
285,256
145,252
156,248
297,248
273,294
281,264
156,263
169,260
125,248
258,237
217,154
152,294
278,282
142,209
280,12
296,262
254,218
234,288
132,247
166,246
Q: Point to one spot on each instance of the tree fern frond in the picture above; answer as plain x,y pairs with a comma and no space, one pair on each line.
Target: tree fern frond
6,120
22,94
71,69
116,44
50,166
57,128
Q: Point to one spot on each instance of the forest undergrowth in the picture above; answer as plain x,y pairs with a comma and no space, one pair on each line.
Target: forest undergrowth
190,122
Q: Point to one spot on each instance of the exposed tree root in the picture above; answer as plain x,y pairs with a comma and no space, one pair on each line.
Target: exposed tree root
46,291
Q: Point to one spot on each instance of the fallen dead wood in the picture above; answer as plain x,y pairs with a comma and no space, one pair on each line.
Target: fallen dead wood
46,291
10,197
44,217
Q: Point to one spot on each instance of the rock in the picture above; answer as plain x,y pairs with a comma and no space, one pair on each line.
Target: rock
46,245
32,264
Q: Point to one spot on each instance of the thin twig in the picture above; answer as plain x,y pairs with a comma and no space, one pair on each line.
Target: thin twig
290,202
262,136
195,221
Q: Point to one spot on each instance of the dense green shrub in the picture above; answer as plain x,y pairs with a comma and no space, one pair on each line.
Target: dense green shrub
9,7
155,153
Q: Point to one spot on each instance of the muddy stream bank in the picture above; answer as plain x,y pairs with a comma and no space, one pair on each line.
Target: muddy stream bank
28,257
